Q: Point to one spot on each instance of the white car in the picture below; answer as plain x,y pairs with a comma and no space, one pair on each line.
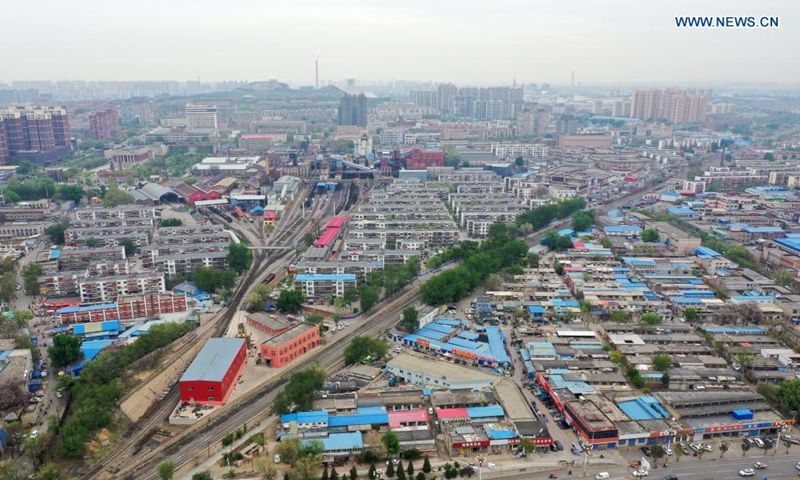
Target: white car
668,451
747,472
696,447
759,465
641,473
34,433
706,447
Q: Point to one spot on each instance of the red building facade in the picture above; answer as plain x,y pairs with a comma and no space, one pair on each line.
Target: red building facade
290,345
210,378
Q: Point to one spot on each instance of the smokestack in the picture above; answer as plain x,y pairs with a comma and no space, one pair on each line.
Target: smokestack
316,69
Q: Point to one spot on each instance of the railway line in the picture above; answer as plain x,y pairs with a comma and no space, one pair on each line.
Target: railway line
134,439
256,406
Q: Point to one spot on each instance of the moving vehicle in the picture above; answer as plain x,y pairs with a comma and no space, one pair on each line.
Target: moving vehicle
747,472
602,476
759,465
641,473
670,477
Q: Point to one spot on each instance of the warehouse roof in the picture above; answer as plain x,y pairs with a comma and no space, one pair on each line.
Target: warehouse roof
398,418
213,361
339,441
358,419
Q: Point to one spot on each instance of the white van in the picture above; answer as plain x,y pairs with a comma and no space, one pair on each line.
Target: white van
759,442
601,476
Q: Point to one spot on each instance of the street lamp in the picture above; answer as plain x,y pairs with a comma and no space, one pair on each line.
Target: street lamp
480,459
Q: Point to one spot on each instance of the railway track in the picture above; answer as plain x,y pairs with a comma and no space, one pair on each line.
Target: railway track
183,450
140,433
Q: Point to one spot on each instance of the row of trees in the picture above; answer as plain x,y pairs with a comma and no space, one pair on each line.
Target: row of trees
498,251
95,393
540,217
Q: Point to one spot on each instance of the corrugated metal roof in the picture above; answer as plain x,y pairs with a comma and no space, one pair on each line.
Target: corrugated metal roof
339,441
451,413
358,419
484,412
396,419
214,359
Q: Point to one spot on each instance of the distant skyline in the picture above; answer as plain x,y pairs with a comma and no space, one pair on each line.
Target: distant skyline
605,42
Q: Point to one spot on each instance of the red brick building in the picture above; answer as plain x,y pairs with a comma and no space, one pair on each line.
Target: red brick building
200,195
127,308
290,345
422,159
267,324
213,373
105,125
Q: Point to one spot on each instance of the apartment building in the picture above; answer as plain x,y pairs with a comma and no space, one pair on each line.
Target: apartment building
105,289
81,258
120,212
322,286
185,263
104,125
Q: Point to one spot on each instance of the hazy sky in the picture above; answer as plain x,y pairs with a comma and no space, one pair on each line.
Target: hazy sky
467,41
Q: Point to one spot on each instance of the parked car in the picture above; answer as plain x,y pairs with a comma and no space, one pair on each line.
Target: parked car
668,451
641,473
276,459
558,445
759,442
646,451
749,441
670,477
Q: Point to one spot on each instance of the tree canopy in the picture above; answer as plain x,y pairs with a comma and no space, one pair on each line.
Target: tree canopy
363,347
115,197
239,257
409,321
651,319
661,362
209,280
66,350
583,220
650,235
290,301
300,391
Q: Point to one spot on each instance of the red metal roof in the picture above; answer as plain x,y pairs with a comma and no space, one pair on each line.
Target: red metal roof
336,222
269,214
396,419
327,237
451,413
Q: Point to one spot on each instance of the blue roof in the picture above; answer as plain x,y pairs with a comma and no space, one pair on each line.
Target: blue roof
88,308
370,410
428,333
705,252
464,343
108,326
763,230
791,243
439,328
213,361
452,322
316,416
55,254
500,434
485,412
643,408
358,419
317,277
4,354
681,211
622,229
737,330
535,308
93,348
497,345
468,335
339,441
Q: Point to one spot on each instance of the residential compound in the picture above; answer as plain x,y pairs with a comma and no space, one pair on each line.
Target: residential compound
93,278
37,134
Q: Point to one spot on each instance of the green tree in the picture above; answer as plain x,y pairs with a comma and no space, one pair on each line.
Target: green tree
257,298
22,318
392,443
409,321
49,471
583,220
353,473
420,476
372,471
56,232
325,474
166,470
410,470
30,276
690,314
401,474
650,235
66,350
784,277
369,296
290,301
658,452
723,447
661,362
651,319
362,347
202,476
665,380
115,197
350,295
619,316
745,447
227,440
300,391
171,222
519,161
239,257
426,465
129,245
390,470
289,450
